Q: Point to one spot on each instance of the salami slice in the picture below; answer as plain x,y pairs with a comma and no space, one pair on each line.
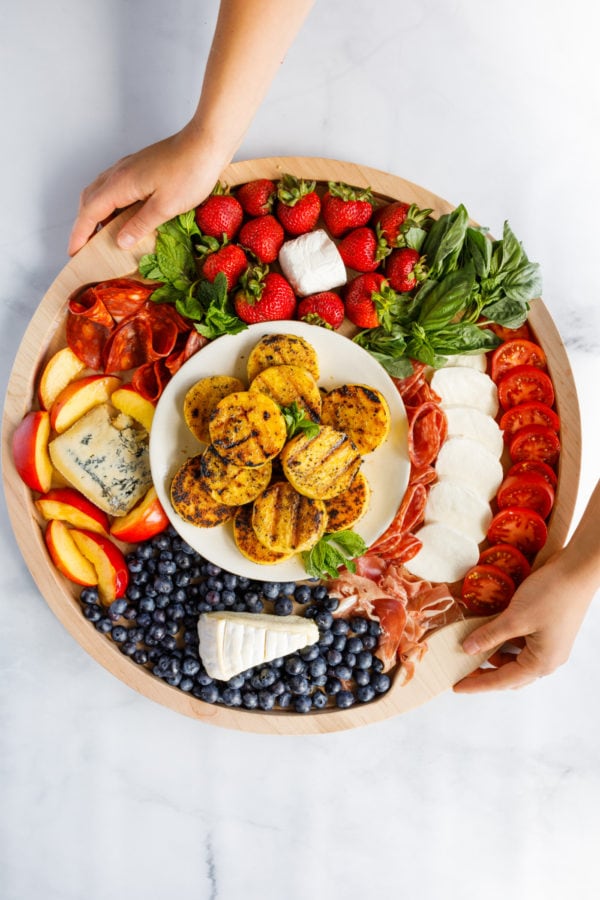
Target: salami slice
129,345
151,379
426,433
406,387
123,297
87,339
410,514
194,341
89,305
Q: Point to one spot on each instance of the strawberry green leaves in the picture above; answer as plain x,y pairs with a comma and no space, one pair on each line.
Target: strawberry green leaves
331,552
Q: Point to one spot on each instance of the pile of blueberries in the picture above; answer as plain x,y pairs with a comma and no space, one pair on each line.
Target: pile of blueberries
156,624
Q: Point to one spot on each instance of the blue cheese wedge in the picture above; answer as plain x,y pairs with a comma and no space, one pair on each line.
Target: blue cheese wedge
105,458
312,263
231,642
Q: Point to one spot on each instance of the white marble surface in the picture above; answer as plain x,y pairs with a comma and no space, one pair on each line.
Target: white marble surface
105,794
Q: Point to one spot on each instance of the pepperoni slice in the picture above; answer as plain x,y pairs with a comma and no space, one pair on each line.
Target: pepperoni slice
129,345
151,379
422,474
87,339
410,514
407,546
426,434
88,304
194,341
123,297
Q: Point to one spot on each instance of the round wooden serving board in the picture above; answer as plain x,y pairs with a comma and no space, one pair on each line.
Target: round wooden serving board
444,662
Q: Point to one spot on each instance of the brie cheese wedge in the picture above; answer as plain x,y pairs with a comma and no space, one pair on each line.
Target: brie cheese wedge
312,263
231,642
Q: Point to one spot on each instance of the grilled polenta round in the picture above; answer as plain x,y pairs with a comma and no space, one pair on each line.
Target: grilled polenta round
282,350
230,484
286,521
347,508
361,412
290,384
247,542
202,398
322,466
191,498
247,429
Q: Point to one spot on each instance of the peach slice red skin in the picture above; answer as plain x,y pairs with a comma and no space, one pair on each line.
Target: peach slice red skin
66,556
144,521
30,450
109,562
69,505
79,397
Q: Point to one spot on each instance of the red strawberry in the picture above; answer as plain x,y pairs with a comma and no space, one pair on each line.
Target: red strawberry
220,214
363,250
229,259
263,236
368,300
257,197
299,206
346,207
404,269
325,309
264,297
396,219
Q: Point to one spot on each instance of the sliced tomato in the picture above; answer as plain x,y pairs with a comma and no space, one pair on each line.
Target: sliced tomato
524,414
529,490
523,528
517,352
525,384
535,442
487,589
535,465
509,559
508,334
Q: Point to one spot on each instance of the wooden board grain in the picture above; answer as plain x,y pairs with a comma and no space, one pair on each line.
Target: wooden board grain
444,663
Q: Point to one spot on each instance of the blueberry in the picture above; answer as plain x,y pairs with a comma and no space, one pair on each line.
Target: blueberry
117,608
277,688
369,642
136,634
344,673
208,692
266,700
299,684
230,581
140,657
128,648
169,642
380,682
376,664
319,592
374,628
104,625
333,657
311,611
119,634
212,570
283,606
310,653
332,686
324,619
319,700
186,683
147,604
228,598
302,593
182,579
190,666
236,682
144,551
250,699
160,616
302,704
339,642
92,613
162,601
318,667
362,677
349,659
284,700
354,644
161,541
232,696
156,632
89,596
213,598
203,678
294,666
364,659
263,678
359,625
340,626
326,640
163,584
330,604
344,699
365,693
135,565
172,627
144,619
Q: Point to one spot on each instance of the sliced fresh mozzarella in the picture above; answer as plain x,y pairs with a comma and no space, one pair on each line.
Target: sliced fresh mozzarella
476,361
445,554
312,263
458,386
465,421
230,642
468,462
451,503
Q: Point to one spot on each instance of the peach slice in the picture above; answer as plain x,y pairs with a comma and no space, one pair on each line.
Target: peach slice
59,371
30,450
144,521
65,555
107,560
79,397
71,506
127,400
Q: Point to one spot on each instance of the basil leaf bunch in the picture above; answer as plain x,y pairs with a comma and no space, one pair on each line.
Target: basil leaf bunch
173,263
332,551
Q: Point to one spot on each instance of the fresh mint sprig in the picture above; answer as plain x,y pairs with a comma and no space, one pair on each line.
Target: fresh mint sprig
297,421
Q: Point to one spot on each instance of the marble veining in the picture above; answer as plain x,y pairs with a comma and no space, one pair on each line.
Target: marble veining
105,794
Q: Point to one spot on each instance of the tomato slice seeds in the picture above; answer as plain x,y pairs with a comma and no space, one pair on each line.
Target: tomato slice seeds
525,384
487,589
524,528
529,490
535,442
535,465
524,414
509,559
516,352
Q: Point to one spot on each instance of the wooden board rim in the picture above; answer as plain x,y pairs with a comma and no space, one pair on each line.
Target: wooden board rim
444,663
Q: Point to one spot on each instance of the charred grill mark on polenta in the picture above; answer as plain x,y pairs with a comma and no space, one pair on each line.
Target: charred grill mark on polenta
347,508
282,349
286,521
321,466
191,498
287,384
361,412
231,484
202,398
247,429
